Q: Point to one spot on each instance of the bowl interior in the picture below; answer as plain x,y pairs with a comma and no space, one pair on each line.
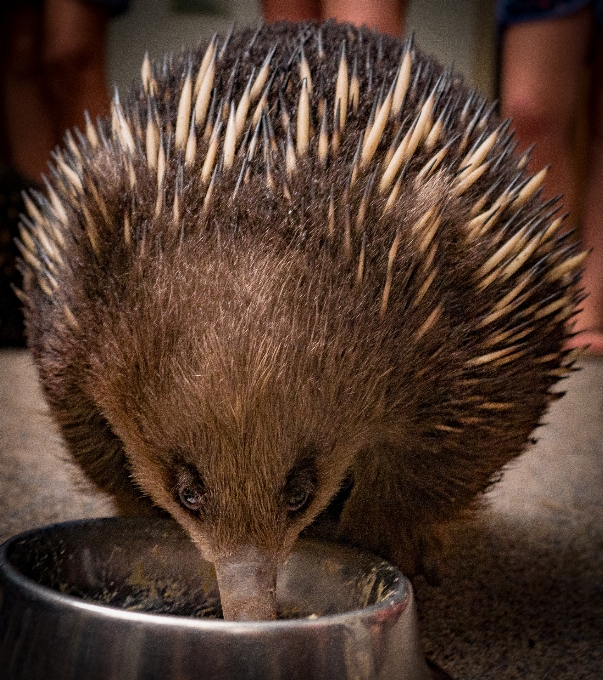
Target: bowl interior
151,566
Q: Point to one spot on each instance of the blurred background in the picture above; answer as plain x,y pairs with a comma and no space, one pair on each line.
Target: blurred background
460,32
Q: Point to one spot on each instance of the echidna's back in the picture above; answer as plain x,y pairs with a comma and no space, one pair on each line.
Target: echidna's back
326,173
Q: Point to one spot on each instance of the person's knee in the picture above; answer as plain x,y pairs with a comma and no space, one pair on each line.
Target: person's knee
534,119
67,72
75,47
20,48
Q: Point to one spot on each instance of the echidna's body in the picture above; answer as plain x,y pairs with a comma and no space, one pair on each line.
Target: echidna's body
336,267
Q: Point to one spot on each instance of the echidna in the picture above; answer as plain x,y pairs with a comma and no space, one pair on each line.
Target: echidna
300,266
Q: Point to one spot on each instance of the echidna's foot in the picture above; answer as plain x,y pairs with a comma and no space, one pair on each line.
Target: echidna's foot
432,550
420,555
389,537
405,556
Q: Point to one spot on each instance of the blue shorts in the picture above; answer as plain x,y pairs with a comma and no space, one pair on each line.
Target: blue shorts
516,11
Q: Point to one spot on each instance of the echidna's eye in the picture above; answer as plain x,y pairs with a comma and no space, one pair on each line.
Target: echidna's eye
300,487
298,500
191,497
190,489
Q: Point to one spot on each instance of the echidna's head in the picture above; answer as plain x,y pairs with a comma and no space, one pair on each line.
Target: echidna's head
237,406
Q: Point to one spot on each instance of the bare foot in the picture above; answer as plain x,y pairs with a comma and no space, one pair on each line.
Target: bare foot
591,340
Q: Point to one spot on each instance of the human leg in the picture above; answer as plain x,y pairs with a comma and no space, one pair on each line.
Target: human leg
541,67
27,127
74,61
386,16
291,10
590,320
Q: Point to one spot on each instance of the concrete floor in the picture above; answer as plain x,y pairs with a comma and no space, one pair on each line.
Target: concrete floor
522,595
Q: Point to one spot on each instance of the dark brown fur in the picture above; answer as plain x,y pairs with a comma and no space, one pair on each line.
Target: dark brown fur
237,346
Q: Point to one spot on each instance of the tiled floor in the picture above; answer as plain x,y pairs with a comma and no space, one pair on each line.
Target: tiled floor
523,591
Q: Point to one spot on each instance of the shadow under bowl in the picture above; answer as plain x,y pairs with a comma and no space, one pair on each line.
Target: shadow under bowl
128,598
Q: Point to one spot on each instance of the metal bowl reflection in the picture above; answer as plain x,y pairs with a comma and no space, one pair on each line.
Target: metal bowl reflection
131,598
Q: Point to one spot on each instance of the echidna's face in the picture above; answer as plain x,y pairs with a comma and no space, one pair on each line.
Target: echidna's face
242,465
243,499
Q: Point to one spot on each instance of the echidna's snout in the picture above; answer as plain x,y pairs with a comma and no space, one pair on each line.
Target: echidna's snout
247,583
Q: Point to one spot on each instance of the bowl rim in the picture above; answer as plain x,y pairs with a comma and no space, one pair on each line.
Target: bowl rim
398,599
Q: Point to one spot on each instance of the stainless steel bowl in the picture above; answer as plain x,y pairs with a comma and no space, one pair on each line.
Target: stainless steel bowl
75,602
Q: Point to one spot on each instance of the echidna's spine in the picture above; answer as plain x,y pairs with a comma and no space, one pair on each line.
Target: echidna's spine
202,127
